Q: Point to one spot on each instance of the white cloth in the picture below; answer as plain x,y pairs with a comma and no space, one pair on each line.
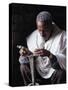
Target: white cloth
56,45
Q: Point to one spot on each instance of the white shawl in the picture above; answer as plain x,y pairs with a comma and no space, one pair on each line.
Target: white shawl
56,45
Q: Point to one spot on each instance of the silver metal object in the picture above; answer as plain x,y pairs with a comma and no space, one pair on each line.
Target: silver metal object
31,60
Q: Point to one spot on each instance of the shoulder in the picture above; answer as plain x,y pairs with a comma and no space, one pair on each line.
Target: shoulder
57,32
63,36
31,40
32,35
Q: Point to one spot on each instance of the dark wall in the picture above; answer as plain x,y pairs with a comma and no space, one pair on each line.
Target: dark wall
22,23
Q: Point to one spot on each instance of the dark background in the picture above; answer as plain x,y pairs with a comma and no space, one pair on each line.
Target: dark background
21,23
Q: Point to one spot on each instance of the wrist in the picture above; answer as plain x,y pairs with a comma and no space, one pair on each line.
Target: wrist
50,55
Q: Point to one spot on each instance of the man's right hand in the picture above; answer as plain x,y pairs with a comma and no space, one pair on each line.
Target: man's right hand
24,51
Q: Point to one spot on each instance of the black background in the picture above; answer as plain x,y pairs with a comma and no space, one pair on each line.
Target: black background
21,23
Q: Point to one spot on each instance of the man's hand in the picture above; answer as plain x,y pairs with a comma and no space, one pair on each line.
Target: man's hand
42,52
24,51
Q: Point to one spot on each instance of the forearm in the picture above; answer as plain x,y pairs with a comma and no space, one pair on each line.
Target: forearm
61,59
54,62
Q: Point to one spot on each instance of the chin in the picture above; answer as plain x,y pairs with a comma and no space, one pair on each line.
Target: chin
45,38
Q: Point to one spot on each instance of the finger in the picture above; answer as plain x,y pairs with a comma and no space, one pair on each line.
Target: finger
39,54
38,50
22,52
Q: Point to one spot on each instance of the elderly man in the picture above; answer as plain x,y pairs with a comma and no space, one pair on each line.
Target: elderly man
48,43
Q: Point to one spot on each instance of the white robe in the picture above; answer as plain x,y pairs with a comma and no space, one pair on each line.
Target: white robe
56,45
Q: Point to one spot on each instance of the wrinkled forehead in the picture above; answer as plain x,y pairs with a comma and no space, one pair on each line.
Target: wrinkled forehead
41,24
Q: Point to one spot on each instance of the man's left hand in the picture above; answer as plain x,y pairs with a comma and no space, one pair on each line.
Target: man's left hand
42,52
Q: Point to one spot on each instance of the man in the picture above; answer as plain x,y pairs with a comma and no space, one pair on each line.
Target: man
48,43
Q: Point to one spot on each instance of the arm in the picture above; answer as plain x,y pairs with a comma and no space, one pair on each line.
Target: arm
54,62
60,56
